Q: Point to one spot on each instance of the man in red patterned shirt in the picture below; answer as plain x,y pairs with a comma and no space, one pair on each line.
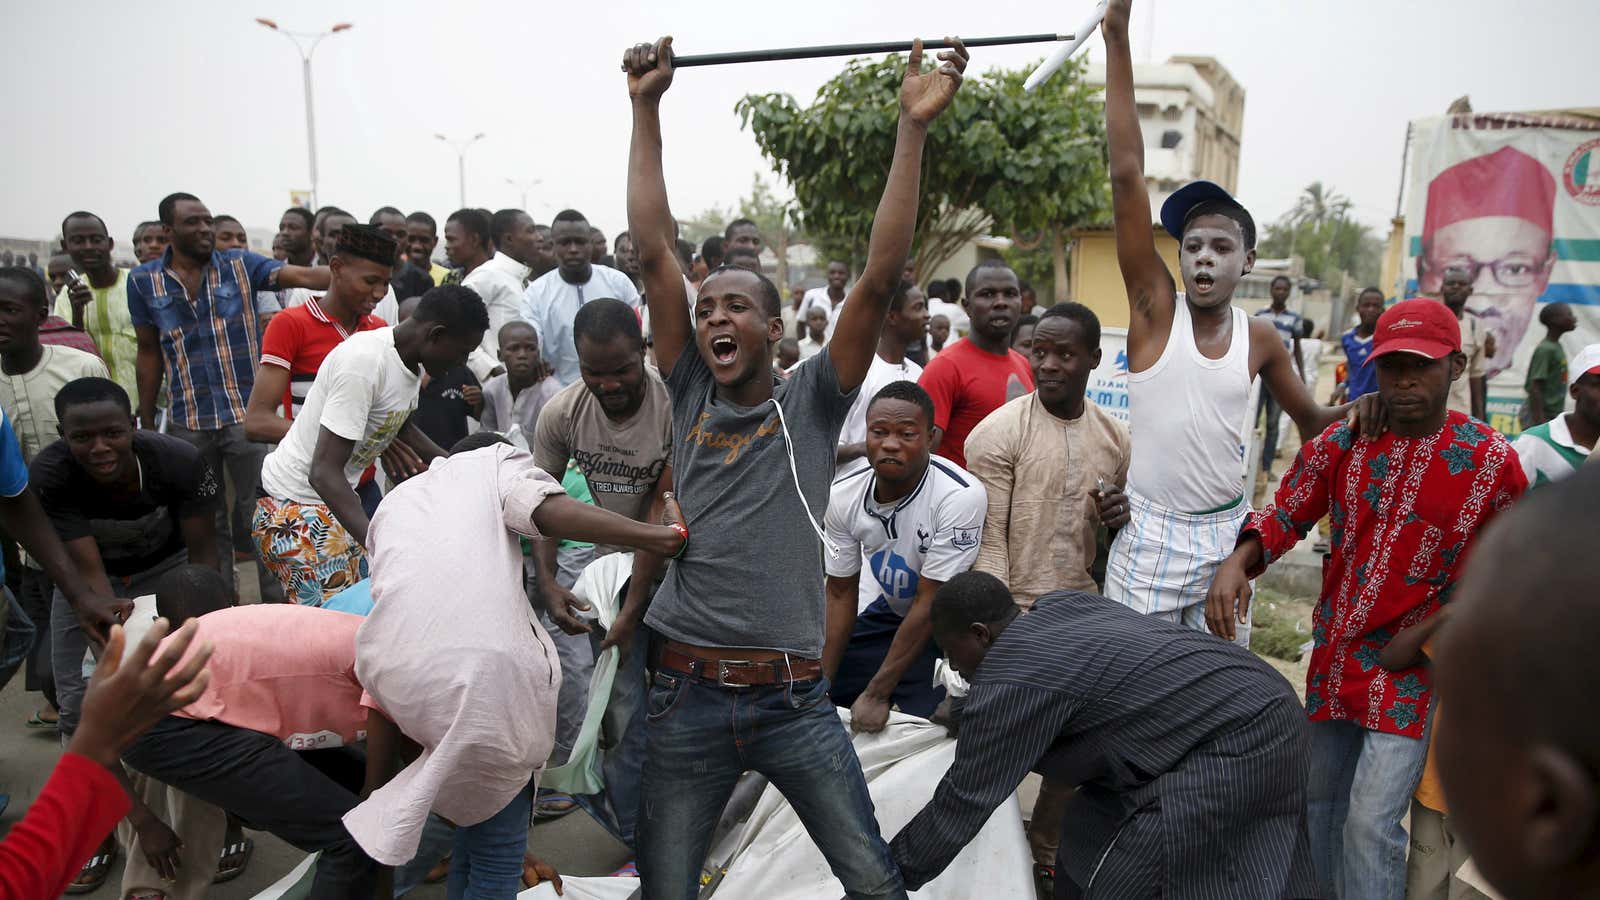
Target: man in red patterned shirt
1404,509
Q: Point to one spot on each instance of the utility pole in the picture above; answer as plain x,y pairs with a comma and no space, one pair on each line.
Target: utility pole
305,51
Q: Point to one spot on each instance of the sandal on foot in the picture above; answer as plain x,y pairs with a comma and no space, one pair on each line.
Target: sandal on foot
94,873
553,806
232,860
38,721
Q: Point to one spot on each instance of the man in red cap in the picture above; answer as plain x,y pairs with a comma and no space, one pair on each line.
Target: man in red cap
1404,508
1492,215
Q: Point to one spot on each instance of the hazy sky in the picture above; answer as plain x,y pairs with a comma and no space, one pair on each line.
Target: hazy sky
122,103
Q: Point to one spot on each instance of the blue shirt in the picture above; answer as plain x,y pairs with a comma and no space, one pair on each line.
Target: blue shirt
13,471
1361,378
209,343
1287,322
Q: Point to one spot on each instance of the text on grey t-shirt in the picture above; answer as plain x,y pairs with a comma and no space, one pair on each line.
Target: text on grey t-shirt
752,573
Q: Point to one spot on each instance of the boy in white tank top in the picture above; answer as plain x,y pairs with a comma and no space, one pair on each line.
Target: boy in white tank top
1191,360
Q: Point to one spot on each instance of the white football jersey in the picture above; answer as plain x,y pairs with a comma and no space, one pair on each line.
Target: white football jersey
932,532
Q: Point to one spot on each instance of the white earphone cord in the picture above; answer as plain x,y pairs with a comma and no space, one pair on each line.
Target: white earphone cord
788,448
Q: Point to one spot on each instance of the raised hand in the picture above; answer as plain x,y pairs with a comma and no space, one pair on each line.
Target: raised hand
649,68
1115,24
127,696
924,96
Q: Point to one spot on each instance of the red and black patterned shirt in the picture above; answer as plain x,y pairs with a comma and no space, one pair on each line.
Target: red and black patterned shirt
1403,513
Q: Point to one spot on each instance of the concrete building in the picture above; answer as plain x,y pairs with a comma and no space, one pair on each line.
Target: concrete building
1192,114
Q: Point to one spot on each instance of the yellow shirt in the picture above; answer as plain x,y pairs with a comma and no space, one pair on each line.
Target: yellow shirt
437,273
1429,792
108,322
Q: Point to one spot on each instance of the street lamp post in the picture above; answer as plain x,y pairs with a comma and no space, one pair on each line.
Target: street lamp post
305,51
524,187
461,161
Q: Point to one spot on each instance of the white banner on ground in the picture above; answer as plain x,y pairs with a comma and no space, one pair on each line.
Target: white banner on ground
772,857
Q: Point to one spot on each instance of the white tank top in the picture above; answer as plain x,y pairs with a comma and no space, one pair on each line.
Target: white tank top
1187,416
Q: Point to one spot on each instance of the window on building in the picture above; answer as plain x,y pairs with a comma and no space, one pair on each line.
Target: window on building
1171,138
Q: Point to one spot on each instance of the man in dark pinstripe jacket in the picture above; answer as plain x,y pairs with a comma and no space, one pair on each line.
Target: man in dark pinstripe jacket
1189,753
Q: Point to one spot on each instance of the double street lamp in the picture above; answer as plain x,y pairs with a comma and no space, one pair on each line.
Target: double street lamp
298,38
461,161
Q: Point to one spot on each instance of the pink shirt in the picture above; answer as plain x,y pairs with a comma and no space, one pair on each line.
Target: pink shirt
286,670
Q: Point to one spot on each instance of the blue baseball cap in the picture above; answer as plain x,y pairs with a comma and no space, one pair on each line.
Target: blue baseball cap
1175,212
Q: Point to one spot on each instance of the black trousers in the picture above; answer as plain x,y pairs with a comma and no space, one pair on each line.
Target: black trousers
298,796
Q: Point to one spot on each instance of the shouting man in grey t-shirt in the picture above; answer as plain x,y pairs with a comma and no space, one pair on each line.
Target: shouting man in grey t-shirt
737,681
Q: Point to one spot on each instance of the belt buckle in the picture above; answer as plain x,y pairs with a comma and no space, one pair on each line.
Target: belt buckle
722,672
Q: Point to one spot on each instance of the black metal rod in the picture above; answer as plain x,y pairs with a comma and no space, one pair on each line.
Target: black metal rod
748,56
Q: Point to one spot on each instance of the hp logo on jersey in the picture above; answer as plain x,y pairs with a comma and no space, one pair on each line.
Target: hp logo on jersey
896,578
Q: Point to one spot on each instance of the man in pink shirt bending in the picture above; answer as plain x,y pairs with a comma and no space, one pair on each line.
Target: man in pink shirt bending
269,739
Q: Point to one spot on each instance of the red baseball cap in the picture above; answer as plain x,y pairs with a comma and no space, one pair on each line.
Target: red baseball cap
1419,325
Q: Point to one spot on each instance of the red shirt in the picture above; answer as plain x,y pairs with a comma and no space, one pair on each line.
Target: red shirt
44,852
56,330
299,339
1404,512
967,384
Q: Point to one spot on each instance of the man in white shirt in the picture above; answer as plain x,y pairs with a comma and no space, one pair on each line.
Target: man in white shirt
830,296
908,320
309,525
551,302
1552,450
914,521
501,281
1469,393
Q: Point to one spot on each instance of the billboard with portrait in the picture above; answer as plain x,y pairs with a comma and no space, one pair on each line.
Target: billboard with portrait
1514,199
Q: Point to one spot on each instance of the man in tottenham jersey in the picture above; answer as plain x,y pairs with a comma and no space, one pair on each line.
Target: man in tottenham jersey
1164,558
738,631
912,521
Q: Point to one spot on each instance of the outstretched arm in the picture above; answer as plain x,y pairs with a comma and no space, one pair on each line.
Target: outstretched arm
1279,375
649,69
922,98
1151,293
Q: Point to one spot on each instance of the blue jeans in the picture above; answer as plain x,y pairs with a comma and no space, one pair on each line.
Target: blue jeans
702,737
1360,789
487,863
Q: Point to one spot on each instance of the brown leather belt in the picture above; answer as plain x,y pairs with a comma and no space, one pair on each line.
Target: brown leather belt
738,672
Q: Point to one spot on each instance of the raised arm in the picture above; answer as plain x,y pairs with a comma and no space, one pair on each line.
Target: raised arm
649,69
1151,293
922,98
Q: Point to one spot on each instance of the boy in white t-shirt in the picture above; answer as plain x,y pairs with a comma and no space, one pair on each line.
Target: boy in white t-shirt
309,525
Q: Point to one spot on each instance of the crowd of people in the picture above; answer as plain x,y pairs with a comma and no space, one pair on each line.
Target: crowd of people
907,504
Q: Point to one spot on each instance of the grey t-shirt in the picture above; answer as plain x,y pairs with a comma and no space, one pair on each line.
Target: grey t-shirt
621,461
752,573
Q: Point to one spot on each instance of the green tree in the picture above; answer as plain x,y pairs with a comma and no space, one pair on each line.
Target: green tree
1320,230
1030,165
772,215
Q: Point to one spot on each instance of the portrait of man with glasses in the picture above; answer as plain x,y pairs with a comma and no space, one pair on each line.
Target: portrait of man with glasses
1492,217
